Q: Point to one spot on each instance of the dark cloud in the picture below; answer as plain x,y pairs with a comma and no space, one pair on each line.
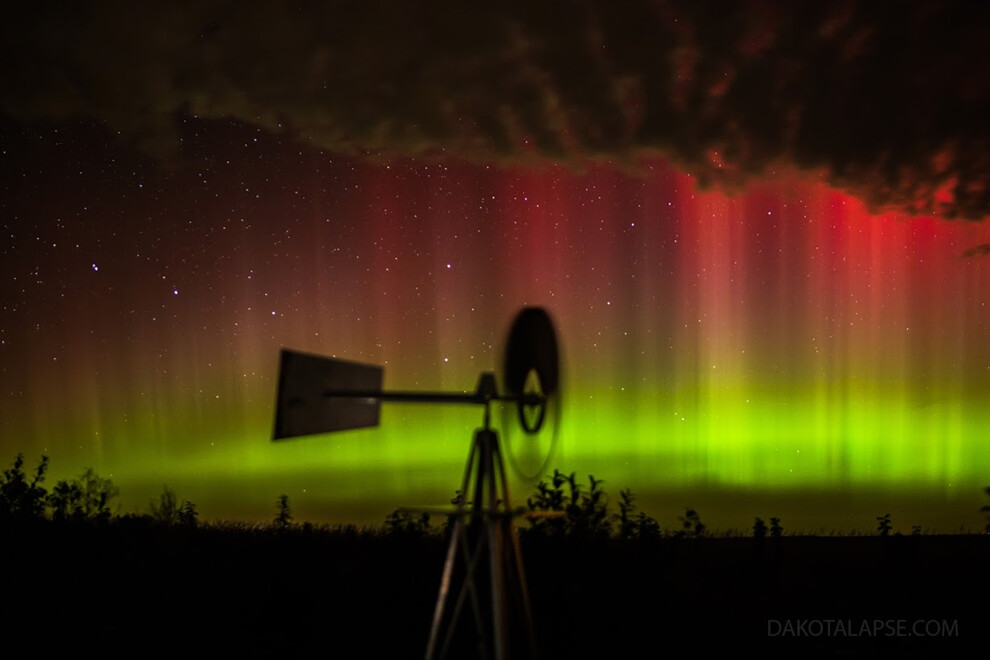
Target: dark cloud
981,250
887,100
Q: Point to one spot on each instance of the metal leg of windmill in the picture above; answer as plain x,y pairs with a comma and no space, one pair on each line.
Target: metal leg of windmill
458,541
493,530
522,589
496,558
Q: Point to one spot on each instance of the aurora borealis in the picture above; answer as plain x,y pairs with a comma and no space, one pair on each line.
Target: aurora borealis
767,346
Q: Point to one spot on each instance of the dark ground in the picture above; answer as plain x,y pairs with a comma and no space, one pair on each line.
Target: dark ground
131,589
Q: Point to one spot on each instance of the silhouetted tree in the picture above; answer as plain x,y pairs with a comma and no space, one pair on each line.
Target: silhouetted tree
625,517
65,500
776,529
759,528
168,511
691,525
986,509
283,519
22,497
95,495
883,525
187,514
647,527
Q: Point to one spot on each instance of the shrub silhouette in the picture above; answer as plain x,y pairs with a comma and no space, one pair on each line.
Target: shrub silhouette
633,524
23,497
585,510
587,513
883,525
459,502
405,523
548,498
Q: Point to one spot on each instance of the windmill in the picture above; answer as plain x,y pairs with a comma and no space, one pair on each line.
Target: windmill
320,394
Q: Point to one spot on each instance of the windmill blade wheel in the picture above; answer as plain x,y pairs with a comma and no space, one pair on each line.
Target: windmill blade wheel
532,377
532,406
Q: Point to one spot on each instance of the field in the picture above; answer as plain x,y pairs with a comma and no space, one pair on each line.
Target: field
132,588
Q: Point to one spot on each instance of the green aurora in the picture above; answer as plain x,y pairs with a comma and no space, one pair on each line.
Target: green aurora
777,353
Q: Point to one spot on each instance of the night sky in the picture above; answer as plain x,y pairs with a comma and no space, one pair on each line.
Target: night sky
760,230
